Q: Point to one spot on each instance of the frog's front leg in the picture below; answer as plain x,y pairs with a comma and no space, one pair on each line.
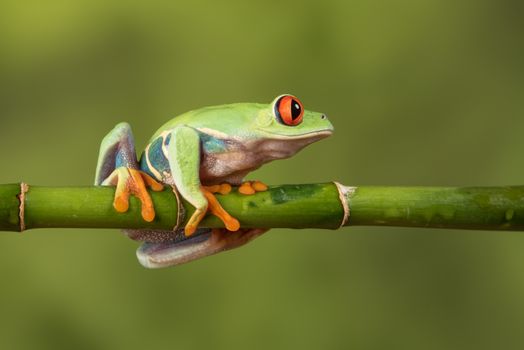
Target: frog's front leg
117,165
184,162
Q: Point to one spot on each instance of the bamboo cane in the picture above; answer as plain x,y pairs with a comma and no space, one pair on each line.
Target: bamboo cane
326,206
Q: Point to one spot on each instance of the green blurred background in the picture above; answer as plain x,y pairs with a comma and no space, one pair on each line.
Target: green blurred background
420,92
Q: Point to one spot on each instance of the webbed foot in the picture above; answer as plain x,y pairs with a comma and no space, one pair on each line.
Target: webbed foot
224,188
131,181
252,187
215,208
232,224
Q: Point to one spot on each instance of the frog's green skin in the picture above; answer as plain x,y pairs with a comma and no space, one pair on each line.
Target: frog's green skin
207,146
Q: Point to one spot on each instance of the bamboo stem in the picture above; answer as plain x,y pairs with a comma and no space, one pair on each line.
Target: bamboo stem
287,206
474,208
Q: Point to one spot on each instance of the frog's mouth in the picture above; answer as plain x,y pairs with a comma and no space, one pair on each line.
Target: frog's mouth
313,135
316,135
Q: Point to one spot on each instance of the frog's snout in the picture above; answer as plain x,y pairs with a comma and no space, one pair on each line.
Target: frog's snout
327,124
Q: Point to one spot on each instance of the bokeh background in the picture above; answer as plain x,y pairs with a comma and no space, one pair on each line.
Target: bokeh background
420,92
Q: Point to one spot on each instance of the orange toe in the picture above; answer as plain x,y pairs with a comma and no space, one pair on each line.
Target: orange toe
133,182
121,202
155,185
216,209
259,186
246,188
195,219
148,213
189,230
225,188
232,224
212,188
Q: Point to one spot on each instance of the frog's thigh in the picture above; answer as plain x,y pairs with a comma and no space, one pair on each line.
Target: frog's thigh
154,236
205,242
117,149
184,163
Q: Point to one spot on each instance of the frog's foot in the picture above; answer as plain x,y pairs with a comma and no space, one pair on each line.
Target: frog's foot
203,243
252,187
216,209
224,188
131,181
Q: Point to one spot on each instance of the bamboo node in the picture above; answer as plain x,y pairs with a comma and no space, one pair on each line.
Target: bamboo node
24,188
343,194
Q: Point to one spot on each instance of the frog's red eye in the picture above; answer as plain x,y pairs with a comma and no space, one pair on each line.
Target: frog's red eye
289,110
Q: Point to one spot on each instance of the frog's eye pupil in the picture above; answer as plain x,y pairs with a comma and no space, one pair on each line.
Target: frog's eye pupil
296,110
289,110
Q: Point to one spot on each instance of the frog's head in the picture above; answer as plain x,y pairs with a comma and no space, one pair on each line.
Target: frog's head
286,119
285,127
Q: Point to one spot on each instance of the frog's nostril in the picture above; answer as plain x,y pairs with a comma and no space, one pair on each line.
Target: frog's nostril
323,116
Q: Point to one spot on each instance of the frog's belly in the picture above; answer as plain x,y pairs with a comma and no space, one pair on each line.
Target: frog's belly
230,166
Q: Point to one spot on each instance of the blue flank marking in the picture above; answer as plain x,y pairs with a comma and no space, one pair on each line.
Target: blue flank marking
211,144
156,158
145,168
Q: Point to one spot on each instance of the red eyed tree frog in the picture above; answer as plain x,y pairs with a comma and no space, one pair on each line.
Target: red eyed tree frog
199,154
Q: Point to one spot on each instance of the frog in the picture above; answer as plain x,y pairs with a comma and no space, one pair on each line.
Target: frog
199,155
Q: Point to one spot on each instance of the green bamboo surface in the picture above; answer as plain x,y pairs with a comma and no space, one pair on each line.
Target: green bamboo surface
286,206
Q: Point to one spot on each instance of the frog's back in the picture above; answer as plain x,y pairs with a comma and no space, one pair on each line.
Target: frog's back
216,117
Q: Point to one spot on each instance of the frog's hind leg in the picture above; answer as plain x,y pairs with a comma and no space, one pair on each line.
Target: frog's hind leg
118,165
184,161
117,149
181,249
